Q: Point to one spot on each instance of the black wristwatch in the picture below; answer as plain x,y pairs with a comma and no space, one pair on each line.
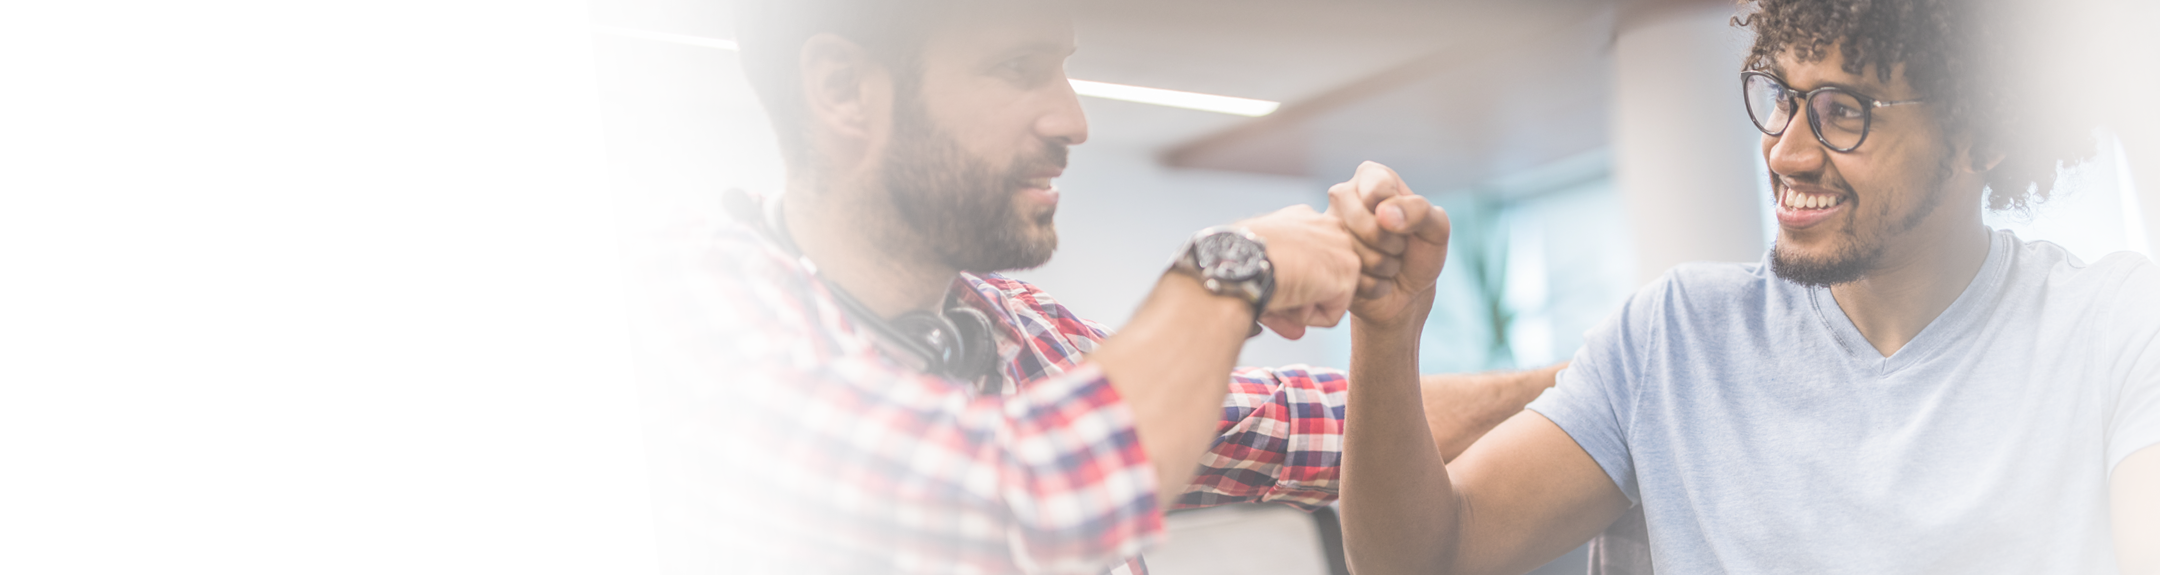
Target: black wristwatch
1230,261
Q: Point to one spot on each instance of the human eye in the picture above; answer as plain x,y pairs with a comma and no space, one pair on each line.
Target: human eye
1025,71
1014,68
1838,106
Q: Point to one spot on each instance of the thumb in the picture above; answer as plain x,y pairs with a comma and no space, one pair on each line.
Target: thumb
1416,216
1288,328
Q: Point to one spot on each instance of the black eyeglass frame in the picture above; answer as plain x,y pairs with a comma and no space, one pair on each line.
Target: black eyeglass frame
1797,98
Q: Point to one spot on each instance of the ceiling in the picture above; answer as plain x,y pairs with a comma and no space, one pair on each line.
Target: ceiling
1451,92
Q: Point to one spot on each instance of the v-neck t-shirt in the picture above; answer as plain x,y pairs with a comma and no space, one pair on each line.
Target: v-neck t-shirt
1761,433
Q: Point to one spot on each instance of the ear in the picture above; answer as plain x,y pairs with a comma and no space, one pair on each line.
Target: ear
1979,159
844,91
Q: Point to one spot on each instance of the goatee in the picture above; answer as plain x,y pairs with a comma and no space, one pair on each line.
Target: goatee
1862,252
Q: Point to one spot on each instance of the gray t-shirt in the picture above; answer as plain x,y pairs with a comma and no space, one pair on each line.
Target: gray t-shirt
1762,434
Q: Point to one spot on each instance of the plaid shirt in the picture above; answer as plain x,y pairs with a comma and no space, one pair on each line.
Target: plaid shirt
865,466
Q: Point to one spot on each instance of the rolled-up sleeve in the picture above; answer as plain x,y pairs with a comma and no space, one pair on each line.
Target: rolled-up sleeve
1280,440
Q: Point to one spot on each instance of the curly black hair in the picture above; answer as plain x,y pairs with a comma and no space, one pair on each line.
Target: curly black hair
1956,54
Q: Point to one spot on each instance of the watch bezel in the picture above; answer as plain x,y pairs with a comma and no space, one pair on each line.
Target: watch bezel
1209,254
1205,260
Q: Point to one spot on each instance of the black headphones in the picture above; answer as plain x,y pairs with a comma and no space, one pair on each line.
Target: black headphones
957,343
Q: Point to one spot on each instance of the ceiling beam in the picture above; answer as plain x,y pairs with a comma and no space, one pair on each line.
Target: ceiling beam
1281,143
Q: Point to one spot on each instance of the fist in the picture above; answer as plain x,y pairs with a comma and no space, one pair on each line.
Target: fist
1401,245
1316,268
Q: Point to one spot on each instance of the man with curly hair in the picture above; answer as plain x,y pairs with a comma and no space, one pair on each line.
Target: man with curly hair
1893,388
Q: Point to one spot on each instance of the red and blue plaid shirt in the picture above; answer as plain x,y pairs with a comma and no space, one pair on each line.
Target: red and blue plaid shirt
862,465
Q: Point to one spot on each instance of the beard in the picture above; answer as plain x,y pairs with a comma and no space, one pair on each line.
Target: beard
1851,262
961,205
1861,252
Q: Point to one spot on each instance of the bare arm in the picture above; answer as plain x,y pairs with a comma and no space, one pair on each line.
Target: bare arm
1518,497
1168,365
2135,506
1461,407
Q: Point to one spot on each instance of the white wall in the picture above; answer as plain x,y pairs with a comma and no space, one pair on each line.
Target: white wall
1119,215
1684,151
1122,214
638,158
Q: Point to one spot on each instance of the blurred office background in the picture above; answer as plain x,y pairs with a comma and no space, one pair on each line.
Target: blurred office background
1580,147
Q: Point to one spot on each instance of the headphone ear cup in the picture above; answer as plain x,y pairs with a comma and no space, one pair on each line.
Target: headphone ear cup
975,355
934,333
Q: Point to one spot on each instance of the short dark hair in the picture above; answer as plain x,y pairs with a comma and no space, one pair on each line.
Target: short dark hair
770,35
1956,54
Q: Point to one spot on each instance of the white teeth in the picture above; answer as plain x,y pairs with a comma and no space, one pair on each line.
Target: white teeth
1043,183
1800,201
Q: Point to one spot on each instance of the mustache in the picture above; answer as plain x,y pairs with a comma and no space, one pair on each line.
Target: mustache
1054,155
1779,182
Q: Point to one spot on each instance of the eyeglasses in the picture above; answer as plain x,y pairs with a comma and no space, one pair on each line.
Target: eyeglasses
1840,118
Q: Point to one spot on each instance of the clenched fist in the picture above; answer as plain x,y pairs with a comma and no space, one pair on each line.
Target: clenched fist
1402,245
1316,268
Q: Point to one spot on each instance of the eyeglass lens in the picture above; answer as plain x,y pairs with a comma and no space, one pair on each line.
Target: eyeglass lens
1840,119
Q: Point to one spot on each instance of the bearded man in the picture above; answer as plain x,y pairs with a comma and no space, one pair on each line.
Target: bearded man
886,403
1895,388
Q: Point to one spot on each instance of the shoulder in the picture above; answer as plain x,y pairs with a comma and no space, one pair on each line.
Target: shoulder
2126,286
1707,287
1010,287
2112,299
2116,284
2140,276
1713,279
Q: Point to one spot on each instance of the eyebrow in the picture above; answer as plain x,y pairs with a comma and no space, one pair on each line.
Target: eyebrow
1870,92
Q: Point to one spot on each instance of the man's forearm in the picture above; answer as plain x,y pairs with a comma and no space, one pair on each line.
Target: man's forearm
1398,516
1461,407
1168,365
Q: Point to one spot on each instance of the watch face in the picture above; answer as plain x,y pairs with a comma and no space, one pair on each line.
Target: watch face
1229,256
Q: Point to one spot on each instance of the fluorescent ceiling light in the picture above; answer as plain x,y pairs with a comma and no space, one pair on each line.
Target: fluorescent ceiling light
666,37
1176,99
1144,95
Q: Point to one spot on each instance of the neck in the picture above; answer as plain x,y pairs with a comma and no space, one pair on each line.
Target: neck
864,251
1925,271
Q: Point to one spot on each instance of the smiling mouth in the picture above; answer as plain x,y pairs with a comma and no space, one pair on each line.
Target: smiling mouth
1798,200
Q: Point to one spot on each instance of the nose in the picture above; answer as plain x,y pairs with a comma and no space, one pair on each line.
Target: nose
1795,152
1065,122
